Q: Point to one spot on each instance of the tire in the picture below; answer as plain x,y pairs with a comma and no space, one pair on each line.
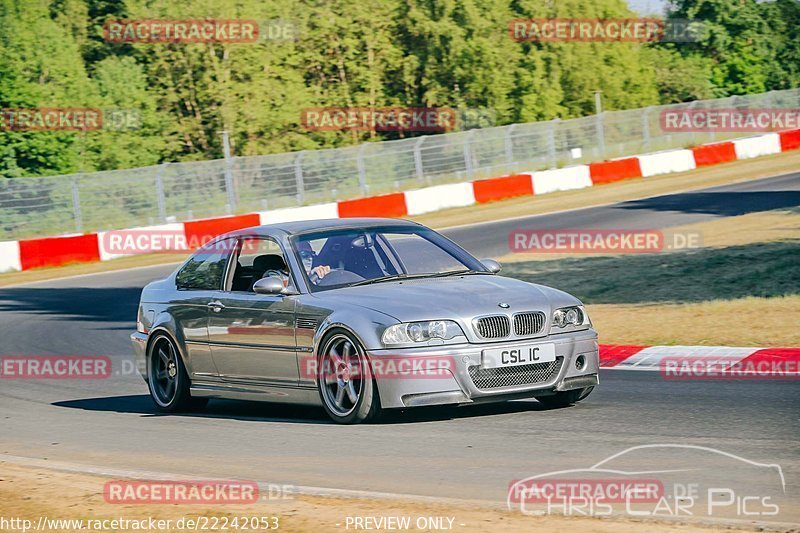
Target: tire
167,378
565,398
346,386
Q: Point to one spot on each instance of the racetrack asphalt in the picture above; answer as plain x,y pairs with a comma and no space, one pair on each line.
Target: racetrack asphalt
470,453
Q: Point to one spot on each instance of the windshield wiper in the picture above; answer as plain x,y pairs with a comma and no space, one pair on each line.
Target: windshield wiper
416,276
458,273
378,280
390,277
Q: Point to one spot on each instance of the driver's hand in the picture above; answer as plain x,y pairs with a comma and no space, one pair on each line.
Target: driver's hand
321,271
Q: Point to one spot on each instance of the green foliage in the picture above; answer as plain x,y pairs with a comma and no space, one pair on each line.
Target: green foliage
177,98
751,46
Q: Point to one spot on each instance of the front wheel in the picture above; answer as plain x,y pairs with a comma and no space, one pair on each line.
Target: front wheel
167,378
565,398
344,378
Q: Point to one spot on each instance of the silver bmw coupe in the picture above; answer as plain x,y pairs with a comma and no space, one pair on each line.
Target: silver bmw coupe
357,315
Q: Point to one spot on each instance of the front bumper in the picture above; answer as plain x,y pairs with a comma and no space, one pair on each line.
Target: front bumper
139,341
461,379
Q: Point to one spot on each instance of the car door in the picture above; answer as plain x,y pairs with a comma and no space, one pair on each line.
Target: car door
198,282
252,336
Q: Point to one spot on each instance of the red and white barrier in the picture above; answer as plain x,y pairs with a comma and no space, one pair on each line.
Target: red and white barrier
199,232
55,251
58,251
385,205
704,361
714,154
9,256
439,197
294,214
561,179
790,140
757,146
493,189
666,162
615,170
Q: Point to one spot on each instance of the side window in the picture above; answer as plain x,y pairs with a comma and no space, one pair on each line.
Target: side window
258,257
205,269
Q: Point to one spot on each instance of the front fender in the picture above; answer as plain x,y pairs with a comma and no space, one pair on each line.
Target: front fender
366,329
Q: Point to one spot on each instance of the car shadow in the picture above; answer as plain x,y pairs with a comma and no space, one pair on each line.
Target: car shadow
141,404
721,203
107,304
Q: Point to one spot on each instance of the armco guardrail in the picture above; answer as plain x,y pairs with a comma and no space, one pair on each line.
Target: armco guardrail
106,245
184,191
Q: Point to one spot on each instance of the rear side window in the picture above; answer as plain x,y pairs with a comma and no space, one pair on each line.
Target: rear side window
205,269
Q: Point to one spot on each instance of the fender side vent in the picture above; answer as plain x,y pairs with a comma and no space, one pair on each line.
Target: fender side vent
306,323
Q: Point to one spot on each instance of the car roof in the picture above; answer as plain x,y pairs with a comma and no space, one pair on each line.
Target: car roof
303,226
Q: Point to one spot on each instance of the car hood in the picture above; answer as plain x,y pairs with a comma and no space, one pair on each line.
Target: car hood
454,297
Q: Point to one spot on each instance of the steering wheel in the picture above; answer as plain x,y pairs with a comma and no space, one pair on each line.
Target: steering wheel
273,273
337,276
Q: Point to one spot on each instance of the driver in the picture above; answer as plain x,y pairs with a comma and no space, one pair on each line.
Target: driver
308,255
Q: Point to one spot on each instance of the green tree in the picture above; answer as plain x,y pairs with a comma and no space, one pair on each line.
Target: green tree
737,39
40,66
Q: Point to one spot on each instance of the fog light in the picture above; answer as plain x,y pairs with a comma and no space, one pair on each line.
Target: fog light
580,362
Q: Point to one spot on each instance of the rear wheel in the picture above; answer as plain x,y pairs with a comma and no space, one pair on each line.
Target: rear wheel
348,392
167,378
565,398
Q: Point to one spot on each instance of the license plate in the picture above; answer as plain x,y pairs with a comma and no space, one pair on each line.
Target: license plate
519,355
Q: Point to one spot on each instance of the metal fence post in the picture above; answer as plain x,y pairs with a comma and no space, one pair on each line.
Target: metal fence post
693,134
551,142
769,100
76,206
418,158
298,177
160,200
601,135
599,127
510,145
226,146
468,154
362,171
646,128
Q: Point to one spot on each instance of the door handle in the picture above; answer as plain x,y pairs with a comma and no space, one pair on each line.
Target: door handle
216,306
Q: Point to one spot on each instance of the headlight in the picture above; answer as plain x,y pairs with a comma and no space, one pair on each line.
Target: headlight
410,332
570,317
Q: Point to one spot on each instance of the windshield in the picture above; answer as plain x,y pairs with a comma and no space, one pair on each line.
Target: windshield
341,258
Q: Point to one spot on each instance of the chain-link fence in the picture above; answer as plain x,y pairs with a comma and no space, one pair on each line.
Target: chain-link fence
182,191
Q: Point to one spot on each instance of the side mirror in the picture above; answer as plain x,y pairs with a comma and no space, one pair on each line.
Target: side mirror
270,285
493,266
